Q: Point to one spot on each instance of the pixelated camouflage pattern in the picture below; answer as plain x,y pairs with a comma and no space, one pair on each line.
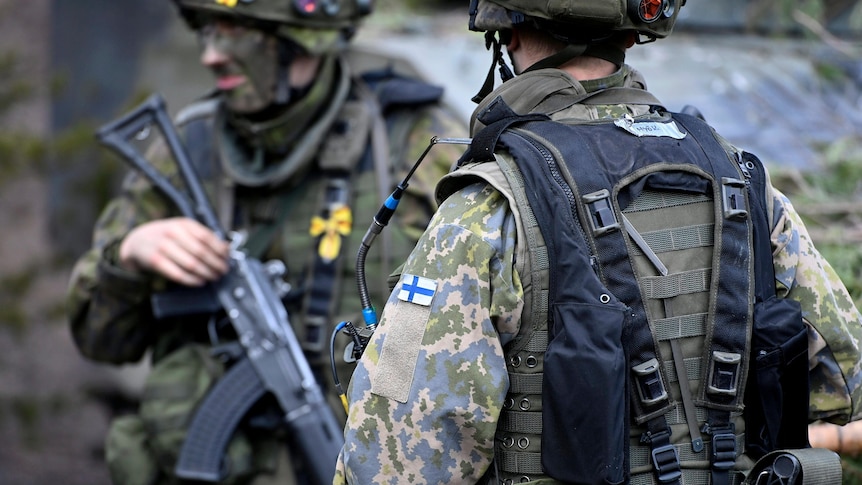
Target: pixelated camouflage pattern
834,332
445,432
439,436
109,308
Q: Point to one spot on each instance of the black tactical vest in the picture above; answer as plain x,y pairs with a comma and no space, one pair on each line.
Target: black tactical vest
653,292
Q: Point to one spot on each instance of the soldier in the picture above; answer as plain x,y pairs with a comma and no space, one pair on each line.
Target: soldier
608,292
301,140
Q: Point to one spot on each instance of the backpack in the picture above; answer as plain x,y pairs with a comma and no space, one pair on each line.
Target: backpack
655,350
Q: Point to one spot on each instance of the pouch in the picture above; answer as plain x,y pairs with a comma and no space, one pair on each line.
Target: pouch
584,395
776,398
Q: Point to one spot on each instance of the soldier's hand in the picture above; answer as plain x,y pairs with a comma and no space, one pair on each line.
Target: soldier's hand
180,249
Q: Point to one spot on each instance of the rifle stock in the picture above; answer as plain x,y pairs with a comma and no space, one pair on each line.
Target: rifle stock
248,297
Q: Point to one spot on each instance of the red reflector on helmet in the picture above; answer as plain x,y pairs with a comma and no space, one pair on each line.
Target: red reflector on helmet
650,10
306,7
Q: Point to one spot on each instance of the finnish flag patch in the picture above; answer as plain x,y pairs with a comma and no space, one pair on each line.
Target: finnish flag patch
416,289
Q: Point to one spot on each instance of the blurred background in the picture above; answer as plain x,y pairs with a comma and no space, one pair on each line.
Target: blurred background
780,78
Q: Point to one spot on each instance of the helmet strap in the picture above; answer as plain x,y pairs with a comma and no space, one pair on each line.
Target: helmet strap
286,54
505,73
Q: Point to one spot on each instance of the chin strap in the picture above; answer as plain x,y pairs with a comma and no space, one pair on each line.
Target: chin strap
284,93
505,72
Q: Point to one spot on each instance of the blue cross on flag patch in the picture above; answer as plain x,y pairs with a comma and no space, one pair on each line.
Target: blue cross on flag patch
417,289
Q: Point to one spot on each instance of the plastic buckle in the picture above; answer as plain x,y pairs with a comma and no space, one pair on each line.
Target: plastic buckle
724,373
649,384
665,461
723,449
733,196
602,217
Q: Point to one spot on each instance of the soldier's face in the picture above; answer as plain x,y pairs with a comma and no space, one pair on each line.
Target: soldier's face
244,61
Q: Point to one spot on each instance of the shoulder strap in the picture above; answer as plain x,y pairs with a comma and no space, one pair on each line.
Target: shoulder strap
497,118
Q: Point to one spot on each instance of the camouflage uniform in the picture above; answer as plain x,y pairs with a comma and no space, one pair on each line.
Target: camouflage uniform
426,397
109,307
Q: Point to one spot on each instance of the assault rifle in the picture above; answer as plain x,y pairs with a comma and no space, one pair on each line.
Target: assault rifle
271,361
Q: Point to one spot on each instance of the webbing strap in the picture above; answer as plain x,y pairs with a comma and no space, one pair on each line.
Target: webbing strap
521,463
325,271
640,455
692,369
525,383
733,288
679,238
690,476
680,327
484,143
664,287
520,422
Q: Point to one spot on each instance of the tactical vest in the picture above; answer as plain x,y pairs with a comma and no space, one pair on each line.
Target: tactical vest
651,306
145,446
351,169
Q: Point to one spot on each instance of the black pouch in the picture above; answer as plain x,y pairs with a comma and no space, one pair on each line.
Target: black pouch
776,398
584,396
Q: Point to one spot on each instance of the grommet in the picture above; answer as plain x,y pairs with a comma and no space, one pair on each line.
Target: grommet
507,481
525,479
509,403
515,360
508,442
532,361
524,404
523,442
605,298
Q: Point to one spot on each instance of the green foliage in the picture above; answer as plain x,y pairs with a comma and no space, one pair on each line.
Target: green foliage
27,413
17,149
15,88
13,288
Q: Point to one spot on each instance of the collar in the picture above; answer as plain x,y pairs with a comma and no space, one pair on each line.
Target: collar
267,153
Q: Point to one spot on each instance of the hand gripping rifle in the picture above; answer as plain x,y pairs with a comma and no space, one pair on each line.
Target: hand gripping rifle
272,360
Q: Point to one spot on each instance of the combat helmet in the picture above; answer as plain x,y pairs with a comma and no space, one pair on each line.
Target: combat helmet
581,24
578,20
318,26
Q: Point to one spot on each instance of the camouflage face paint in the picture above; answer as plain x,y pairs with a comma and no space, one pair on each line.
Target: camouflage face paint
245,63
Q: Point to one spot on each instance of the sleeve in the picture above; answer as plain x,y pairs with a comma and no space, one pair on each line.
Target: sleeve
426,395
419,204
834,323
107,306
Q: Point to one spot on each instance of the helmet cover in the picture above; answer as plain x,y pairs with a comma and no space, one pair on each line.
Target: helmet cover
318,26
570,19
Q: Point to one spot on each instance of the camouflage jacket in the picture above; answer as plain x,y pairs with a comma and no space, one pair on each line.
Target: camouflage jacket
109,308
426,397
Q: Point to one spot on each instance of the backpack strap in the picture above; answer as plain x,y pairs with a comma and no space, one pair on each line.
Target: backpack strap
497,118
